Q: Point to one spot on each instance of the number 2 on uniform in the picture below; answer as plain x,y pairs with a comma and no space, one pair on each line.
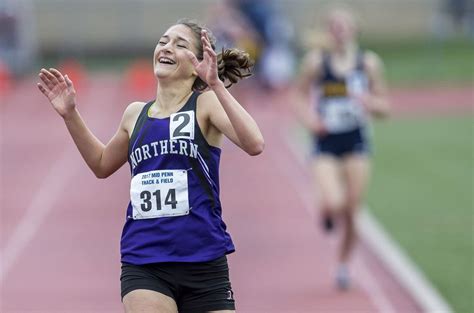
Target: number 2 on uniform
178,131
147,204
182,125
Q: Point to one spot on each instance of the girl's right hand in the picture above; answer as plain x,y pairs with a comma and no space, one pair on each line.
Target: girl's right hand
59,90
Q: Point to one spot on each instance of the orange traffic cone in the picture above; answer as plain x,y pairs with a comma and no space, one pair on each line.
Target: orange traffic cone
75,71
6,79
139,79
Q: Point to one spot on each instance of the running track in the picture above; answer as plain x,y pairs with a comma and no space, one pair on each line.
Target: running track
60,226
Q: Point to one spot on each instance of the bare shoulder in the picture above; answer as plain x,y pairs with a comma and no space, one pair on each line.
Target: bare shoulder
372,61
134,106
207,97
130,115
311,65
313,59
207,101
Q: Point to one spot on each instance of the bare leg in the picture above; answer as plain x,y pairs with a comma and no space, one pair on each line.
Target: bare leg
356,171
327,180
148,301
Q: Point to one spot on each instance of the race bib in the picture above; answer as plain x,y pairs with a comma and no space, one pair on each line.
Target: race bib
357,83
161,193
341,115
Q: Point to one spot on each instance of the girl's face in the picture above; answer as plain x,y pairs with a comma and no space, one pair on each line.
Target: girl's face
341,26
170,58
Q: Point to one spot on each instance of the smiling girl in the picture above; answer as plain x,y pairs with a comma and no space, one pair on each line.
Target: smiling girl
174,242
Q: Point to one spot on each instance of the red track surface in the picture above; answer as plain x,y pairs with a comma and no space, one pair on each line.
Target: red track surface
60,226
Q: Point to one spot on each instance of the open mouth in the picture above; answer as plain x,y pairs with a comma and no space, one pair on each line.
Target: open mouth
165,60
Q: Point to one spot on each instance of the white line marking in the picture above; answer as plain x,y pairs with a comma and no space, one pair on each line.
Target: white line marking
403,269
41,204
372,289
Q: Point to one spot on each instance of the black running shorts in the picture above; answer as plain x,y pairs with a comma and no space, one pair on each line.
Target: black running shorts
196,287
343,144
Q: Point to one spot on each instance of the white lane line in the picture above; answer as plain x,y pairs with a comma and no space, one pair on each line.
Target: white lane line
41,204
402,268
378,298
373,288
400,265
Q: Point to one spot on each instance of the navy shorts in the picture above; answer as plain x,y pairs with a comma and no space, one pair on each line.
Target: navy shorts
343,144
196,287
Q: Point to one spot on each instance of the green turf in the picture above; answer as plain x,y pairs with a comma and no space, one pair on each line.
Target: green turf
422,192
426,61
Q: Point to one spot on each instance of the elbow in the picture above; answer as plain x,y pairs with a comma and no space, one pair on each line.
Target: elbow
382,111
381,115
101,174
257,148
385,113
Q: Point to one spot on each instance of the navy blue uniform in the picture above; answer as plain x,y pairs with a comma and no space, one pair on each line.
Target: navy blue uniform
344,118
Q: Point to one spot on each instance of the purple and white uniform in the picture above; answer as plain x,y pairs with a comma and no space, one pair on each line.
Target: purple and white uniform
175,214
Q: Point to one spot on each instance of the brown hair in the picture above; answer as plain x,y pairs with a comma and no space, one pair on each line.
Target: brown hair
232,64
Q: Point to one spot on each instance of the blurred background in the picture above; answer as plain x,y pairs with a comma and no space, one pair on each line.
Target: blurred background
422,188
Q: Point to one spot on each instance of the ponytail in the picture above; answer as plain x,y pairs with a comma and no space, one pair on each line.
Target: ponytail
232,64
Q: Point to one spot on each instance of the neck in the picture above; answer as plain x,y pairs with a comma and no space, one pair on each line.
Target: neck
346,49
170,95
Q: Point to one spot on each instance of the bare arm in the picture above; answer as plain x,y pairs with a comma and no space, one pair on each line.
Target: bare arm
230,118
310,69
376,101
226,114
102,159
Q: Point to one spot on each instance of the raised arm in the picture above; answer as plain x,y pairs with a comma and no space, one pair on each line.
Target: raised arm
225,112
230,118
102,159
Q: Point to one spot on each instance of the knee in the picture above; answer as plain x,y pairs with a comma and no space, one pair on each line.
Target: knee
333,205
348,215
352,203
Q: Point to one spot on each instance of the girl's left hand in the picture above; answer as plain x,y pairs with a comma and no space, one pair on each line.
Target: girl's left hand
207,68
364,100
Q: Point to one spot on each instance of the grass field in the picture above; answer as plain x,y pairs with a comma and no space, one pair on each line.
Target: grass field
422,193
426,61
